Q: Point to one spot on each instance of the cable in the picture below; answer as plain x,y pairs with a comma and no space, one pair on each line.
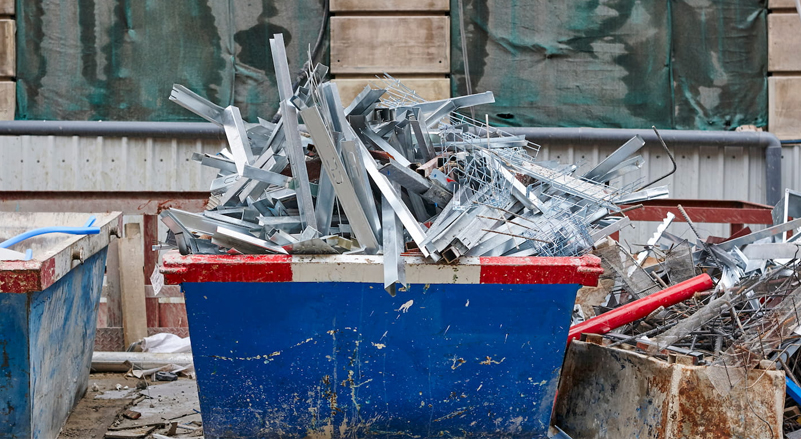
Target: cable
318,44
670,155
468,83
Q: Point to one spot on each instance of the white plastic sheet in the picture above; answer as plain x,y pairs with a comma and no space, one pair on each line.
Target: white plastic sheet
166,344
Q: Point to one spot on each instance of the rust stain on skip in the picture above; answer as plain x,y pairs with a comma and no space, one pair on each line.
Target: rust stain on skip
610,393
489,361
703,412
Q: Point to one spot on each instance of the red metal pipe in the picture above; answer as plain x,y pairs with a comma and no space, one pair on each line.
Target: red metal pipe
641,307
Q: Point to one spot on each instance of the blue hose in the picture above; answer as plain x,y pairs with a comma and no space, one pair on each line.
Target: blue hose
86,230
793,390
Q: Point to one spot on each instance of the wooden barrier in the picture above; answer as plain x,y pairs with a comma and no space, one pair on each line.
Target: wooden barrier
409,40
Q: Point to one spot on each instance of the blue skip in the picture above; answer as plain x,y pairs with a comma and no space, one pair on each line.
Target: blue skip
294,348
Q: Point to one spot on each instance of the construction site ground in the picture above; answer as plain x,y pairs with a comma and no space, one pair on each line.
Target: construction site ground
163,408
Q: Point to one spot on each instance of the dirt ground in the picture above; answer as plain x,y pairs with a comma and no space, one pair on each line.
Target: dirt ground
163,408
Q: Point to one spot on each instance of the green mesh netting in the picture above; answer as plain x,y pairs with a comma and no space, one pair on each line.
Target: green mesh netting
118,59
693,64
686,64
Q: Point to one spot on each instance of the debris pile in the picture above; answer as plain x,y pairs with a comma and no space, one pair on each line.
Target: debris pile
744,316
392,173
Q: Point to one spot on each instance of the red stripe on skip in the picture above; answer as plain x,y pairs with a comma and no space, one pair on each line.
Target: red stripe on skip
641,307
582,270
214,268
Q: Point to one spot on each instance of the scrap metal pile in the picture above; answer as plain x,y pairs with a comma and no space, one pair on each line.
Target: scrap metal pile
398,174
750,319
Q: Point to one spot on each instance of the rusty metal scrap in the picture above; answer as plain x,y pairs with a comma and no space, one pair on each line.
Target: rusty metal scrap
749,320
608,393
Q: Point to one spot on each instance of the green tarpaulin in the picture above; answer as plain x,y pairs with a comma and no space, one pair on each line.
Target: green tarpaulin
685,64
696,64
118,59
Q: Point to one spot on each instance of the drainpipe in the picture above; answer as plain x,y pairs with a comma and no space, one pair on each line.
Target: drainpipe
610,137
164,130
544,136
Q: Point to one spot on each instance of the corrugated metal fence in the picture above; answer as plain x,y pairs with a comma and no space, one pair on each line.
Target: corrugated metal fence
791,167
715,173
131,164
104,164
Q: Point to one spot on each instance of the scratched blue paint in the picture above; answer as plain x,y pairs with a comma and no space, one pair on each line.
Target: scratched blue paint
15,406
292,360
46,339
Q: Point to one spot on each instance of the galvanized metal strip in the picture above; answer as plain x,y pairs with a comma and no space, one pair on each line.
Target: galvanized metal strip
244,242
197,104
486,97
776,250
382,144
220,163
633,145
496,244
361,183
255,188
394,272
365,101
203,224
350,156
237,138
756,236
339,179
435,117
267,176
326,197
610,229
405,216
423,141
294,146
405,177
